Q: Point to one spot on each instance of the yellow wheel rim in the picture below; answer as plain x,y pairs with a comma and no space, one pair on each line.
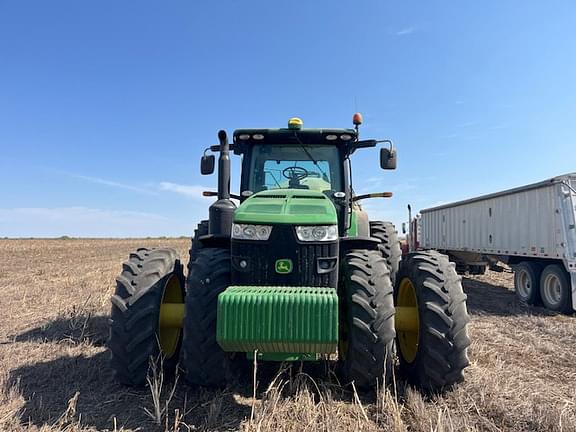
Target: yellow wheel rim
409,334
168,332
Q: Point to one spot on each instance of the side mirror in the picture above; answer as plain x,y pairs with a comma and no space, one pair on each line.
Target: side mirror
388,158
207,164
403,227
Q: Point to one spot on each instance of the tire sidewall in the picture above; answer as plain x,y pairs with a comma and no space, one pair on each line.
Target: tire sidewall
409,271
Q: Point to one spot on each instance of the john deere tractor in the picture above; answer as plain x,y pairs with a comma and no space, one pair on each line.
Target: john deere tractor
292,269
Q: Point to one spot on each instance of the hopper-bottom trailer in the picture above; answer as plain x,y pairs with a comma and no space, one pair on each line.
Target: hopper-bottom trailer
532,228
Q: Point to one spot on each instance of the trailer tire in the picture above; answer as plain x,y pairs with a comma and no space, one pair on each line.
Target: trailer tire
389,246
527,282
555,289
204,362
367,320
434,354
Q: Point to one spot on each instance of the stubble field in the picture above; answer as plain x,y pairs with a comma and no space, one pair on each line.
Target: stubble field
54,373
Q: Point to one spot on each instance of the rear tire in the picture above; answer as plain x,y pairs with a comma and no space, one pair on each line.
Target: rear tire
148,277
555,289
367,342
390,246
201,230
440,354
204,362
527,282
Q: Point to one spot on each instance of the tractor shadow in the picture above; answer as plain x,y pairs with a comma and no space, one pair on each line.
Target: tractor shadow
101,403
487,299
92,329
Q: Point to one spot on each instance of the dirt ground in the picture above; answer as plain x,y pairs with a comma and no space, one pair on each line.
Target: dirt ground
54,373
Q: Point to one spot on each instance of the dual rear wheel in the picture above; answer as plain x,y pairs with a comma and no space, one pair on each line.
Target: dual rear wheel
425,315
536,283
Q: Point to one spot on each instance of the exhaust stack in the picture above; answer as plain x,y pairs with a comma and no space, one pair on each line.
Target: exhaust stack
223,166
222,211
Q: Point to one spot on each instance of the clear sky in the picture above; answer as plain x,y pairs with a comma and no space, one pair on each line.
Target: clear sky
106,106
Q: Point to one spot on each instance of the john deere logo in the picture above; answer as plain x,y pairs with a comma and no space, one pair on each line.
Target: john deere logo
284,266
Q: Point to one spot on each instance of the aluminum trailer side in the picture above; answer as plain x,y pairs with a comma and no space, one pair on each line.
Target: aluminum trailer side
532,228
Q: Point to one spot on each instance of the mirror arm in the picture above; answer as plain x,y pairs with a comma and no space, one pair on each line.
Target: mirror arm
387,141
372,195
215,194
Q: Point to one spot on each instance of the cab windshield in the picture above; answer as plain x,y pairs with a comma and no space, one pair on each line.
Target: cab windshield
293,166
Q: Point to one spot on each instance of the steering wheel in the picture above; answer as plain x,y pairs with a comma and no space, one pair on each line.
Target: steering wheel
295,173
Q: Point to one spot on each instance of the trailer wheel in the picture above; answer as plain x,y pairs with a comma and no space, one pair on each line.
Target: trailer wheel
431,321
555,289
527,282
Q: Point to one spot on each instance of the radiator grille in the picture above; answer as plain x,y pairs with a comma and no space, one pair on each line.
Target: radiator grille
261,260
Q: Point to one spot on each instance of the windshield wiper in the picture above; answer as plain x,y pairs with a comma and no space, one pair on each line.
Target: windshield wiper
303,147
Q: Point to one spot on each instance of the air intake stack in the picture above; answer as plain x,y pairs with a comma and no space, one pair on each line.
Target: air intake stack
222,211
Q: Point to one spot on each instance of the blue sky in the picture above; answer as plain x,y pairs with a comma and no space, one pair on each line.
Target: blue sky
105,107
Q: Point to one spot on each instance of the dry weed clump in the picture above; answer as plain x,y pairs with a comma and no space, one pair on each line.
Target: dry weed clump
55,374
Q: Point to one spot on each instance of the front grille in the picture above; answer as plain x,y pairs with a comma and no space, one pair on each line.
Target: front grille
261,257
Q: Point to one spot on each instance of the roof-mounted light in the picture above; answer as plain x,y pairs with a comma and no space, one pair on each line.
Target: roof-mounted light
345,137
258,137
357,119
295,123
244,137
331,137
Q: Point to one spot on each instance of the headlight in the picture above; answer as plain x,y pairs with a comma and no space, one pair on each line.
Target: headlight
251,232
318,233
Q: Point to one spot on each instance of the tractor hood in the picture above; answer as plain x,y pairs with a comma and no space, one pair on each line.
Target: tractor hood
287,206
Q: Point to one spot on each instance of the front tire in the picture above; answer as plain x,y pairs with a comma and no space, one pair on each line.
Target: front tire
433,355
204,362
149,278
367,340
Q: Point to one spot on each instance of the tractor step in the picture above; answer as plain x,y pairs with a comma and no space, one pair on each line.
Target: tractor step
285,320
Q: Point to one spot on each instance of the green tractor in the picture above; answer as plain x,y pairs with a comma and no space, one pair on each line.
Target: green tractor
295,272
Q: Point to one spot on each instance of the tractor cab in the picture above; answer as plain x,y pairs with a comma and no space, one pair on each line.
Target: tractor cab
295,158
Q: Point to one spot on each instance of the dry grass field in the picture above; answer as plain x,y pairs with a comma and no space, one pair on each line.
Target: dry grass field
54,374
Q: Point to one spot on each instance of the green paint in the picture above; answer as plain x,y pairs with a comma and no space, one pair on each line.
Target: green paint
287,206
353,230
278,319
284,266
